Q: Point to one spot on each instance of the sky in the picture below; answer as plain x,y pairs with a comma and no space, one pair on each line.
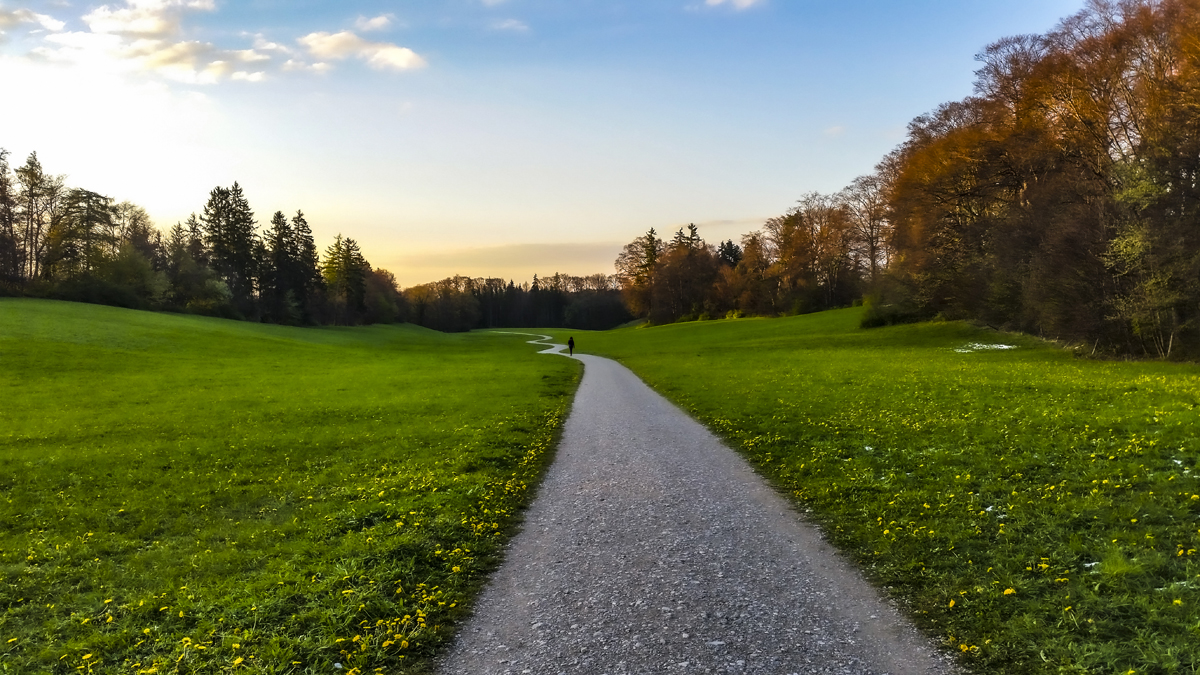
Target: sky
485,137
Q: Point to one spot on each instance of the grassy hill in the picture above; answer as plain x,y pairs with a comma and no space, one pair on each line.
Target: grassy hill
185,494
1037,511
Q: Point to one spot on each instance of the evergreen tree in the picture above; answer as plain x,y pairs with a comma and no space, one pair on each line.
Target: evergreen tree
195,240
176,247
729,253
229,233
279,271
308,281
345,271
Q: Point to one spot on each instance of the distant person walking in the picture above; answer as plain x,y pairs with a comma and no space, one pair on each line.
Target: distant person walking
571,345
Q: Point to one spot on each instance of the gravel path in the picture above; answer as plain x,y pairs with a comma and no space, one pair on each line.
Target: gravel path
653,548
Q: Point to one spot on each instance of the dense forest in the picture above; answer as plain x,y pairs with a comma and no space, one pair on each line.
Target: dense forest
75,244
1060,199
559,301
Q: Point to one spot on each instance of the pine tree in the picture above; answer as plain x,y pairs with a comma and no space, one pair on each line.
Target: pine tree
308,281
230,235
345,271
195,240
278,274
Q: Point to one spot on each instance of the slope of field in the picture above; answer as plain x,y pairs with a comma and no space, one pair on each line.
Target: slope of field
183,494
1038,511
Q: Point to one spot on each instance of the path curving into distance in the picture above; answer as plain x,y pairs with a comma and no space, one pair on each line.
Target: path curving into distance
653,548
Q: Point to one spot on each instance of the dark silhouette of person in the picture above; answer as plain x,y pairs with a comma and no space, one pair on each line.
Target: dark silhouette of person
571,345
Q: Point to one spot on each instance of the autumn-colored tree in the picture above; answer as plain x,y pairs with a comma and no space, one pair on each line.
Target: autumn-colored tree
636,267
684,274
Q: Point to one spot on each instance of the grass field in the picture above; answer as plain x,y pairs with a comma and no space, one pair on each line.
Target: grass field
191,495
1038,512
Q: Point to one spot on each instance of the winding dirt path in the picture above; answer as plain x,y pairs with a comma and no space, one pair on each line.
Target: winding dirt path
653,548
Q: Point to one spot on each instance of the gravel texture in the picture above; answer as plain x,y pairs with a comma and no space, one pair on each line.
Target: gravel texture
653,548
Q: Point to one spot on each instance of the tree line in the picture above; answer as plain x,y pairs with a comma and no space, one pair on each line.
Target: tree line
75,244
823,253
558,301
1061,199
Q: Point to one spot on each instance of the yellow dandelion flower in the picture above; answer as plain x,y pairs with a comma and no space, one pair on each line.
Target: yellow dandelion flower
1010,591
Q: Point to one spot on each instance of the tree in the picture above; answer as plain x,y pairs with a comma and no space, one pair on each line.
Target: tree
866,206
684,277
345,271
636,267
81,237
39,197
229,235
382,299
308,281
11,258
729,253
278,274
132,225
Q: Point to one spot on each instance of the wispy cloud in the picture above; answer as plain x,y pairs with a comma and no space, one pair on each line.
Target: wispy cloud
148,36
11,18
378,55
835,131
144,35
144,18
380,22
736,4
511,25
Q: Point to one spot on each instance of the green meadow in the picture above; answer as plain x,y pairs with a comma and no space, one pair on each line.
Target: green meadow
1036,511
190,495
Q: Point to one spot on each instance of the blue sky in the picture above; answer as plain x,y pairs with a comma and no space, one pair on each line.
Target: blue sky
485,137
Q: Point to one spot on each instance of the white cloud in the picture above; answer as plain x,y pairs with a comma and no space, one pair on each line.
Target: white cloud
737,4
148,18
129,36
261,42
835,131
295,66
378,23
143,35
511,25
190,62
10,18
379,55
